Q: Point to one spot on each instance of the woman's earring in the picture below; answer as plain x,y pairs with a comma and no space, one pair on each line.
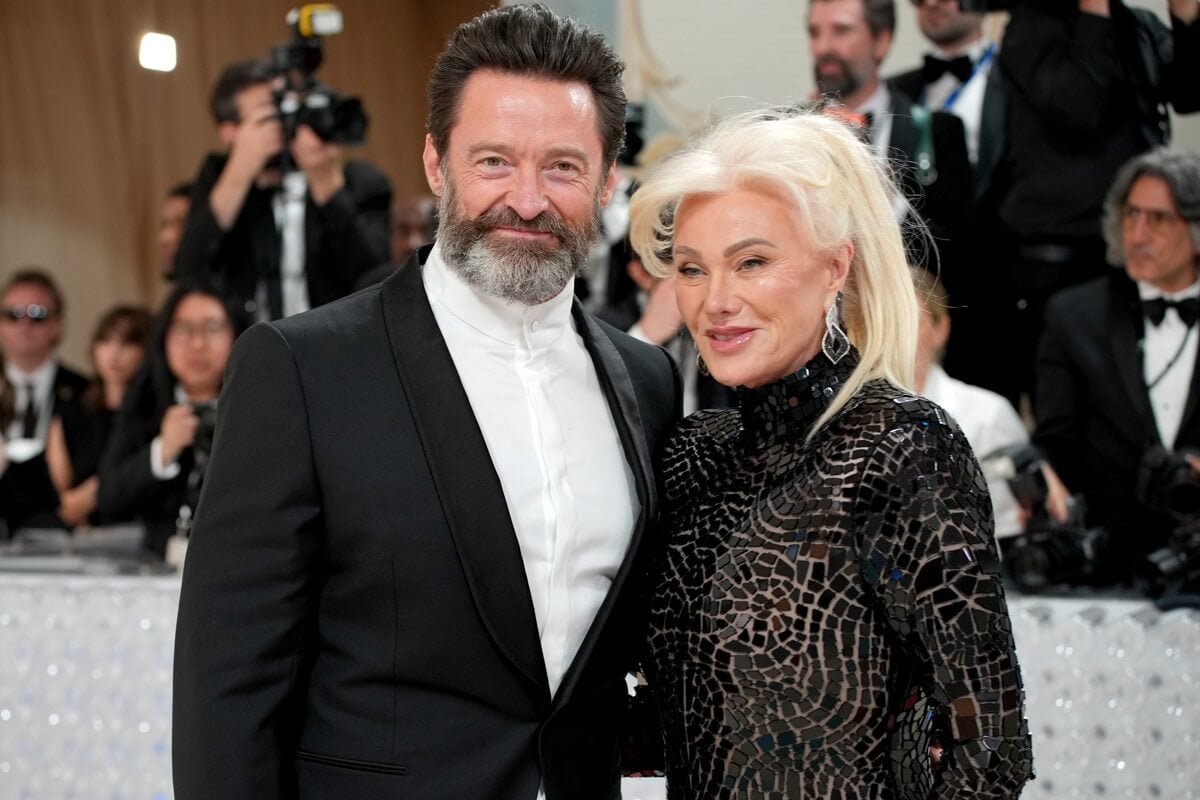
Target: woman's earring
700,365
835,344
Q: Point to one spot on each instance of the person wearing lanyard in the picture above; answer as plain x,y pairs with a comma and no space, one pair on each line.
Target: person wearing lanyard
1117,381
954,77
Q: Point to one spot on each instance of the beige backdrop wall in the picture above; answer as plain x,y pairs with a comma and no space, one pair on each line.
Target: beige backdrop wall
90,142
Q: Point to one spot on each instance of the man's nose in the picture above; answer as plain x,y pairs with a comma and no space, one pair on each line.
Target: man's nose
527,196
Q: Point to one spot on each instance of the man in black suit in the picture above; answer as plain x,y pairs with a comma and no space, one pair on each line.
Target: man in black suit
415,567
959,77
280,243
1117,374
31,326
849,39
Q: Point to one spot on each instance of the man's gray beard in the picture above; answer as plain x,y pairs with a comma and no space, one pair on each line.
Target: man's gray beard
520,271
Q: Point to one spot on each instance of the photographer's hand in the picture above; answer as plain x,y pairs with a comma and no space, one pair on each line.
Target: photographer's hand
1193,461
1098,7
321,162
661,320
258,137
178,431
1185,11
1057,496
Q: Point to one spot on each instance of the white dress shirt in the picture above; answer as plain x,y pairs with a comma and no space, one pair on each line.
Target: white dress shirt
968,104
289,205
554,443
42,381
879,106
1161,344
989,423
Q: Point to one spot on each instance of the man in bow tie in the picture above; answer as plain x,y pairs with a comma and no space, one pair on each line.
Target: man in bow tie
849,39
1117,374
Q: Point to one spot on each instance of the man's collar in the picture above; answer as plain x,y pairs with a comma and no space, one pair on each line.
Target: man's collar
973,51
1148,291
505,321
42,375
880,101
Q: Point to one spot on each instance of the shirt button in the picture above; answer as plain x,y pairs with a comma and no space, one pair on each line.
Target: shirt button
533,326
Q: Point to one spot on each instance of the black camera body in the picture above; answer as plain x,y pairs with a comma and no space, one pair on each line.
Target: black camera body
1167,483
302,99
1047,553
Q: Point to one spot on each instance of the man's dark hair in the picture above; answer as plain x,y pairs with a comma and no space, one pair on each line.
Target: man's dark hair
183,190
234,78
1178,169
880,15
37,277
530,41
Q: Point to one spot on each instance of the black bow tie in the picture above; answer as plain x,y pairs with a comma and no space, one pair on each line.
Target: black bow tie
935,68
1188,310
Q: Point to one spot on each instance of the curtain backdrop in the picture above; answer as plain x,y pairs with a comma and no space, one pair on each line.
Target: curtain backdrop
90,142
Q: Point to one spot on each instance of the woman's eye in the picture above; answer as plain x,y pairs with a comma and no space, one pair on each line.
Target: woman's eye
751,263
688,271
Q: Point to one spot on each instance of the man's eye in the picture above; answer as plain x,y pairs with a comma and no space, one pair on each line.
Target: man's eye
492,161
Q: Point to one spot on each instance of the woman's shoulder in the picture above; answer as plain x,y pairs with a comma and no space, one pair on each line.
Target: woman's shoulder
695,450
883,411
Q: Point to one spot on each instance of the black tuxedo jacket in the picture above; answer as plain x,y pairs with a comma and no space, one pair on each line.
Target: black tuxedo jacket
355,620
1094,418
992,122
343,239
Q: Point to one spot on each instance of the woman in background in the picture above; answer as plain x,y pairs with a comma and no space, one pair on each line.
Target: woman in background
76,439
154,462
828,620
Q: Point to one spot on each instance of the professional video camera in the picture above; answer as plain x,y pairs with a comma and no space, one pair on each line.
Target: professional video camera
1168,483
1046,553
300,98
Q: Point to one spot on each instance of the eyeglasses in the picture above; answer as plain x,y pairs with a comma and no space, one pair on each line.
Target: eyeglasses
1157,220
35,313
180,331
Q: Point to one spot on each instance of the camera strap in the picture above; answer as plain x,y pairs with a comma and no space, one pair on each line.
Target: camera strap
1174,360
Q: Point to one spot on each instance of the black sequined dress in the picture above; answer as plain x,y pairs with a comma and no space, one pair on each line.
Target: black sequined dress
822,609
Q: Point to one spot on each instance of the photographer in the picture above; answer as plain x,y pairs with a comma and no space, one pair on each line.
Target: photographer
154,463
1118,408
280,242
1088,84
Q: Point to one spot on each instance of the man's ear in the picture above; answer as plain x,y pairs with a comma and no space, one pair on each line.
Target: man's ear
433,166
226,133
610,185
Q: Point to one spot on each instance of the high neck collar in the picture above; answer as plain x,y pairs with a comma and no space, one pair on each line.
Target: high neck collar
787,408
509,323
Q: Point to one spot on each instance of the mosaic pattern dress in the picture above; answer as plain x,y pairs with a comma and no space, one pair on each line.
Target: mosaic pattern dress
820,610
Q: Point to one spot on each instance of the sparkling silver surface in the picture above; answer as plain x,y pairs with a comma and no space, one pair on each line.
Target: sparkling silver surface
85,693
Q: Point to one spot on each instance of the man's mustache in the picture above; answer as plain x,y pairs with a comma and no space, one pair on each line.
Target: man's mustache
545,222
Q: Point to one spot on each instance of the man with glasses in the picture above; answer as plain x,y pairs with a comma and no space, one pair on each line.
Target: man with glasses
1117,380
1088,85
31,308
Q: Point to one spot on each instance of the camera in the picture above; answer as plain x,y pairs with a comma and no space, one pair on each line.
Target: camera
1046,553
1167,483
301,98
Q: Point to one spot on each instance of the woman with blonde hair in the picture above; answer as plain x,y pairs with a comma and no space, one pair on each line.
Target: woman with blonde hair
827,618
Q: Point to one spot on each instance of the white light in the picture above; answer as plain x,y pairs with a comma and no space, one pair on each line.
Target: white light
157,52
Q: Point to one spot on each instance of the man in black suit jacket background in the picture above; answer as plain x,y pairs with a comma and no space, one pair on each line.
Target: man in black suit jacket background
415,567
1117,372
281,244
849,39
31,326
959,77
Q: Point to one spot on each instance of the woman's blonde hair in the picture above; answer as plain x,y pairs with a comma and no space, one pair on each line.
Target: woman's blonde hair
841,194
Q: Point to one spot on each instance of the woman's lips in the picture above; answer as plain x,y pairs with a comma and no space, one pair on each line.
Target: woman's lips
729,340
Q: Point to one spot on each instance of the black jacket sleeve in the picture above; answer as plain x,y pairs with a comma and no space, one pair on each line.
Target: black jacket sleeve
351,229
927,549
1061,395
249,586
1064,63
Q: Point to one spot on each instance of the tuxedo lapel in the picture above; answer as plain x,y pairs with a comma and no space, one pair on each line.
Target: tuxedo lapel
1126,351
991,131
1192,404
463,473
904,131
622,402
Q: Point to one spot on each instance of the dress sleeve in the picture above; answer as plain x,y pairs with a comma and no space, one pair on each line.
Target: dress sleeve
927,550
